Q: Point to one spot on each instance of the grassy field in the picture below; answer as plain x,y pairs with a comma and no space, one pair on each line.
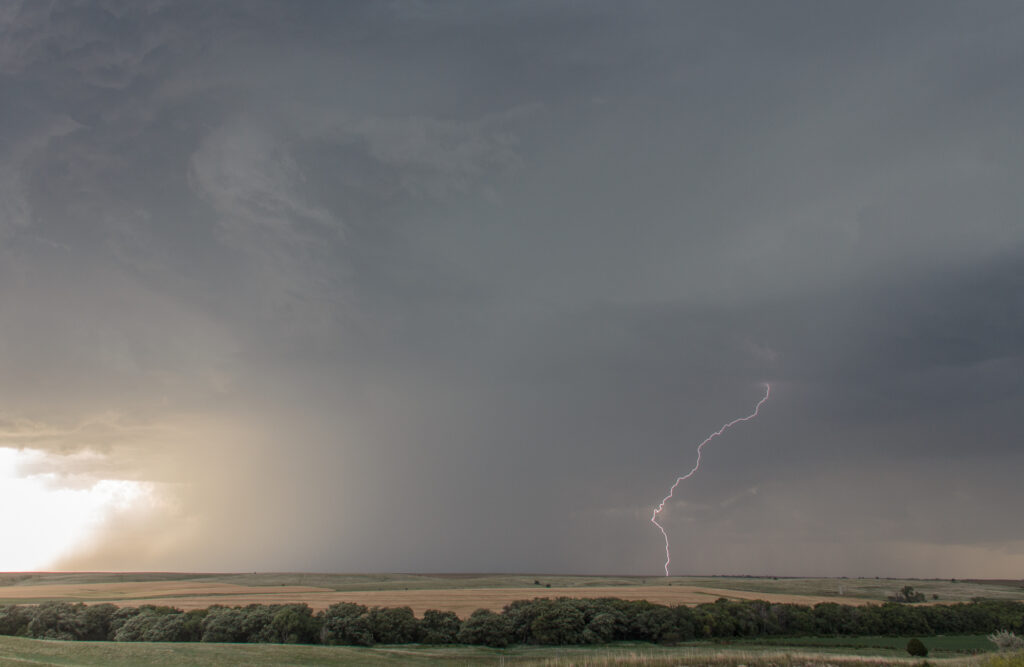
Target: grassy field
947,590
868,588
462,593
18,651
938,647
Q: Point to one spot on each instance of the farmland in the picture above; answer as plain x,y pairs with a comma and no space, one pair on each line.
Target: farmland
463,593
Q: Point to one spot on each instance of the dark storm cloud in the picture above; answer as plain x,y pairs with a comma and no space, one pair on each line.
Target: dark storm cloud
447,286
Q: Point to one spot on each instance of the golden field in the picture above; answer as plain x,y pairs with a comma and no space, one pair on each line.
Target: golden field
459,593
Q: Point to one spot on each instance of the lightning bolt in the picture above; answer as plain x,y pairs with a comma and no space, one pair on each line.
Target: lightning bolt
700,448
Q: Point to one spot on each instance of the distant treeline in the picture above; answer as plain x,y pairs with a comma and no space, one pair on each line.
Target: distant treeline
538,621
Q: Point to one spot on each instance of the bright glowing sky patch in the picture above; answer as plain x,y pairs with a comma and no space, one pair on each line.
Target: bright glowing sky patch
45,517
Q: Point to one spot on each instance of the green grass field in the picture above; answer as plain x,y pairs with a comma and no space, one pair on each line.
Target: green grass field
938,647
18,651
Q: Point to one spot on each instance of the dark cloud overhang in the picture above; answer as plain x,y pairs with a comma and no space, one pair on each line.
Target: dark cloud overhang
491,271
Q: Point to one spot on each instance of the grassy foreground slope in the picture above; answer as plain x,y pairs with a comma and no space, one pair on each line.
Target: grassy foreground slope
19,651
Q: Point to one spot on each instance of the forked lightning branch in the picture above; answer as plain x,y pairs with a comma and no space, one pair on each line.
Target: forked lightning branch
700,449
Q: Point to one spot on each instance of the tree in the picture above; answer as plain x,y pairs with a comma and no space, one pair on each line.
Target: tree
439,627
600,629
95,621
652,622
394,625
559,624
908,594
520,615
169,628
224,624
916,648
14,620
293,624
487,628
256,619
119,618
57,620
347,623
135,628
194,624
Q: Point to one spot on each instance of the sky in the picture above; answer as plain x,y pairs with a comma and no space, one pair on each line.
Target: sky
459,287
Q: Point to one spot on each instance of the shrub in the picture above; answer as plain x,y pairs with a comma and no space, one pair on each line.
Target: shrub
916,648
1006,640
908,594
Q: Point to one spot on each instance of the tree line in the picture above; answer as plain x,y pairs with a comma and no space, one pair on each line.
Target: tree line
539,621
